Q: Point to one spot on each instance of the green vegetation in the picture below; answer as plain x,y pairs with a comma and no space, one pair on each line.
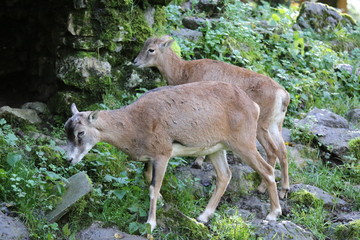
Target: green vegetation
338,180
350,230
263,39
354,146
260,38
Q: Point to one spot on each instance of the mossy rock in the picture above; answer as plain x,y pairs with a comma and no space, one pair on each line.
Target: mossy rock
106,36
171,218
321,17
121,25
78,23
159,20
84,43
60,103
25,119
86,73
350,231
354,147
244,180
305,198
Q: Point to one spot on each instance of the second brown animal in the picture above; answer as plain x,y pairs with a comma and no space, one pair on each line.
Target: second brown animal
272,98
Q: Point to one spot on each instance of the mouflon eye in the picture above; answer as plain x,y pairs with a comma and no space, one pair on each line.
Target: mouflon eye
81,134
151,50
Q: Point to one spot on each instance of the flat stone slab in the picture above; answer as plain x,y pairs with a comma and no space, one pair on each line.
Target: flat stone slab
284,230
329,200
12,229
97,232
28,115
78,186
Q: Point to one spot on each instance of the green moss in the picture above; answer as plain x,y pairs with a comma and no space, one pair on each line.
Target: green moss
117,3
253,176
83,54
86,73
137,27
60,103
122,25
93,84
160,21
347,20
18,122
306,198
172,218
88,44
350,230
354,147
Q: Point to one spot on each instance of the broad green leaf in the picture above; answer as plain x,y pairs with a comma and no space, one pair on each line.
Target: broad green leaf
120,193
13,158
275,17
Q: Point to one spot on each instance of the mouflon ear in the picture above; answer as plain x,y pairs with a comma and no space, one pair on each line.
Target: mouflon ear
93,116
166,44
74,109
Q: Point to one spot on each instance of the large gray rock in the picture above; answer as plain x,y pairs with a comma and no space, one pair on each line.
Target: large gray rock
193,23
12,229
286,134
172,218
149,15
348,68
330,201
77,186
39,107
97,232
78,23
258,205
83,43
332,131
26,115
348,217
354,117
79,4
188,34
321,17
322,117
345,224
87,73
284,230
244,179
294,153
209,6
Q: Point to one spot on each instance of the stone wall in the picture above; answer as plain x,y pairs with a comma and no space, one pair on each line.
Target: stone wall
64,51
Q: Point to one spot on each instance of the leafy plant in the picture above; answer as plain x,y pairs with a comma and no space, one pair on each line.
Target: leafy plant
354,147
303,135
230,226
263,39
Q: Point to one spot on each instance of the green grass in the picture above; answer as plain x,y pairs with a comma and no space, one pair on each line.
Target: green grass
337,180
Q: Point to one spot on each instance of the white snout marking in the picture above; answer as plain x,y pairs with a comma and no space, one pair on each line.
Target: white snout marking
77,156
